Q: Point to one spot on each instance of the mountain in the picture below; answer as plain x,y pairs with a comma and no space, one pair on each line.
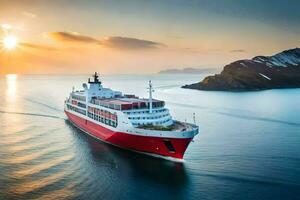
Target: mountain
188,71
281,70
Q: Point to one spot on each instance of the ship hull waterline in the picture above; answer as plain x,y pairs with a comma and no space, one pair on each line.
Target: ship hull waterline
153,146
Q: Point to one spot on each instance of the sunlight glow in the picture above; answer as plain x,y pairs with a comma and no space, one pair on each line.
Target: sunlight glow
10,42
6,26
11,82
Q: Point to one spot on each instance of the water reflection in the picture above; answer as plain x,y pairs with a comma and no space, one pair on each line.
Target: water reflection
36,184
11,87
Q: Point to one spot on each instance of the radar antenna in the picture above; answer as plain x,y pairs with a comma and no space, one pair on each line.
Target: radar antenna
96,78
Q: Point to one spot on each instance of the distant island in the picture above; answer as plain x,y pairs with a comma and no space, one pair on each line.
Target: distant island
189,71
281,70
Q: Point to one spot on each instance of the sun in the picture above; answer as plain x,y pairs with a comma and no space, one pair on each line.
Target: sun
10,42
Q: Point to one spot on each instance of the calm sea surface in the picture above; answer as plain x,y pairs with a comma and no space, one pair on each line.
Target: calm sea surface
248,148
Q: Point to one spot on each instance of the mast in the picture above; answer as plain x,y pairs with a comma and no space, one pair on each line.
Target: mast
194,118
150,96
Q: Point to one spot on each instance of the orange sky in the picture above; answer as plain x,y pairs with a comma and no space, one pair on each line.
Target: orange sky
138,36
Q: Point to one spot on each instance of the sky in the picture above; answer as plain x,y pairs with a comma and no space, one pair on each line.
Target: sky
141,36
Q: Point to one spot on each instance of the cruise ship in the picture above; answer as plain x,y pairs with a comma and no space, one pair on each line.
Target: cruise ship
124,120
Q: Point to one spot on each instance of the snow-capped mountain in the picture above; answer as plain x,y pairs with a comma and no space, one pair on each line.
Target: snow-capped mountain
281,70
284,59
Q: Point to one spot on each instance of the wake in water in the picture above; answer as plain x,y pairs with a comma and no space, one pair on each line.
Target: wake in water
259,118
42,104
36,114
249,117
31,114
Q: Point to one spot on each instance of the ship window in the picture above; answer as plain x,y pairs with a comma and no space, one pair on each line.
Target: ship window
169,146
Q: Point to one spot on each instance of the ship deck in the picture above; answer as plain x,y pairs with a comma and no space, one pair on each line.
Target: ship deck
176,126
128,102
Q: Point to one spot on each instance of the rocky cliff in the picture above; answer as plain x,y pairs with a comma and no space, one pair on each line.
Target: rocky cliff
281,70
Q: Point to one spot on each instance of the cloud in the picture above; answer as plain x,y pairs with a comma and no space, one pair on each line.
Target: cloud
129,43
71,37
7,28
29,14
37,46
238,51
111,42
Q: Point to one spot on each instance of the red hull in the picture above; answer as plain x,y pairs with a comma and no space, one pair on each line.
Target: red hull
146,144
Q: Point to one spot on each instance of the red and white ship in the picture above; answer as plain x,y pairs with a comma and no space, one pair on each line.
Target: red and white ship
129,122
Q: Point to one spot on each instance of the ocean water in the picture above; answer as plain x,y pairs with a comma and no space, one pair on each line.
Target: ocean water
248,146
